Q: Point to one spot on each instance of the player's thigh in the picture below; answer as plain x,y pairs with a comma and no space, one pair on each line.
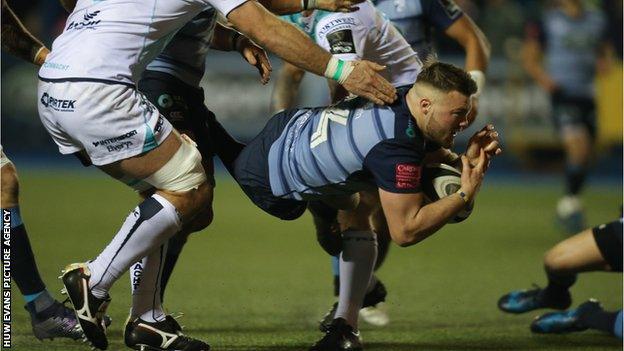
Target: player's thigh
359,218
579,253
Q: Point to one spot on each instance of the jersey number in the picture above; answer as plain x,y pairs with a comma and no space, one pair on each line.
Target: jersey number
335,114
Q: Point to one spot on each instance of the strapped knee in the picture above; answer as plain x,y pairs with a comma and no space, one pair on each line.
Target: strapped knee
183,172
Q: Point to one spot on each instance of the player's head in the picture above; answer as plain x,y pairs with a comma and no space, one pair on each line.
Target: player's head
440,101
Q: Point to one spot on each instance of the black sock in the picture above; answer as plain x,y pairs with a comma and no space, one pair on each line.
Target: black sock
575,178
336,285
600,320
383,245
174,248
25,272
559,284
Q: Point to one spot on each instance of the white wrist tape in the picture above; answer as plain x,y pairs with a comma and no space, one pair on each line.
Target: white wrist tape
479,78
338,69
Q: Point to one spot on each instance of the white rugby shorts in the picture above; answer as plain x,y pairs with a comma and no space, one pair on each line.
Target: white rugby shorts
111,122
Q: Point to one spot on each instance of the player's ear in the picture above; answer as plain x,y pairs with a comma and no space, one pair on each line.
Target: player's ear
425,105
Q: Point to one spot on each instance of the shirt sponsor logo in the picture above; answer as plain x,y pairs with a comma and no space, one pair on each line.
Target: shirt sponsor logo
341,42
407,175
113,140
337,24
89,22
54,65
118,147
57,104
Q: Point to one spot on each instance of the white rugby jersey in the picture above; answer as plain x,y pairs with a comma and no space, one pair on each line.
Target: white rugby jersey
363,34
113,40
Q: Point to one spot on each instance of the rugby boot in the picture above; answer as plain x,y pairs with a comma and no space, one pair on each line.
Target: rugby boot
570,215
339,337
373,309
521,301
56,321
160,336
565,321
89,309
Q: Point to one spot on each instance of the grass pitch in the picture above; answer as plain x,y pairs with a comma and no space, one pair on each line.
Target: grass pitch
251,282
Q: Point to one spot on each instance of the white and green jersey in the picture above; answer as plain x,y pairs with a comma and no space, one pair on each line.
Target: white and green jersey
112,41
363,34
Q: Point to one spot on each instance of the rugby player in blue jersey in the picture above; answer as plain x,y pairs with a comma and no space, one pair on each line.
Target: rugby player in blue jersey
368,34
358,156
571,39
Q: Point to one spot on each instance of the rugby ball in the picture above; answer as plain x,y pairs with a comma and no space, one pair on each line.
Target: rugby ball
440,180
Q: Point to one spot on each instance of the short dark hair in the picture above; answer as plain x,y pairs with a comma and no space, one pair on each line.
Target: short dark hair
447,78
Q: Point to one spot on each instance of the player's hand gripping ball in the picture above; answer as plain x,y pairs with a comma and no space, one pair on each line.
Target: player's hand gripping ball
440,180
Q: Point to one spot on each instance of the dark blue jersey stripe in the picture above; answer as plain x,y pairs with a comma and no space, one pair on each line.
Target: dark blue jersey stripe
377,121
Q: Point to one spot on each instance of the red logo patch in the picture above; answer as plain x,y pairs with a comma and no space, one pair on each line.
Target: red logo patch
407,175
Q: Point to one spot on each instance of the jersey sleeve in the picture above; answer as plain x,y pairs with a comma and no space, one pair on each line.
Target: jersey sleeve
225,6
343,35
441,13
396,166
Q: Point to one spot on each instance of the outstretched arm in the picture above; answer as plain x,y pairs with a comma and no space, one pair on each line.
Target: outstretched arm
289,43
284,7
18,41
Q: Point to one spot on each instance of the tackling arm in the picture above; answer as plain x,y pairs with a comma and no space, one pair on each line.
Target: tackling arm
467,34
284,7
17,41
292,45
532,62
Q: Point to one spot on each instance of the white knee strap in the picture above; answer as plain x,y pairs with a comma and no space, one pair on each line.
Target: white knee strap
183,172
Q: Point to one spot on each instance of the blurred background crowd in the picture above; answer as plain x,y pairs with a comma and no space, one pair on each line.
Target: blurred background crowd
512,101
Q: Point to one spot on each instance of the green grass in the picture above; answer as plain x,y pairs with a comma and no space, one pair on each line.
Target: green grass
251,282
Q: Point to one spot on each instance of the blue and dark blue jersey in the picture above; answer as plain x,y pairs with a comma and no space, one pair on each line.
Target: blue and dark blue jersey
345,148
415,18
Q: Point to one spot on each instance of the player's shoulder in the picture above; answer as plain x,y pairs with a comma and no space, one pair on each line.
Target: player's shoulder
329,22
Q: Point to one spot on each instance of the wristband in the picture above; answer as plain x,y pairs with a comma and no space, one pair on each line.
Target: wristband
39,57
338,70
462,195
479,79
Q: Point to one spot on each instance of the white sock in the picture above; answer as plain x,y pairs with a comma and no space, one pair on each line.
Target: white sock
145,282
148,226
357,260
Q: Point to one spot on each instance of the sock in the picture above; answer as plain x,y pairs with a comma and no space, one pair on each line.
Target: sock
383,245
356,268
558,285
174,248
146,301
25,272
147,227
602,320
41,302
575,178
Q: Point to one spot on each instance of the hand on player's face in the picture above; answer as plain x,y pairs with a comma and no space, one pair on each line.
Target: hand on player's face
257,57
365,81
338,5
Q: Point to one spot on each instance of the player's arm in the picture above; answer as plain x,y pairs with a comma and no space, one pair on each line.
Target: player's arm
532,54
227,39
284,7
286,87
410,222
289,43
467,34
18,41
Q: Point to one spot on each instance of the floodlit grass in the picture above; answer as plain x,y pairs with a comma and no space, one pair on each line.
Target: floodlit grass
252,282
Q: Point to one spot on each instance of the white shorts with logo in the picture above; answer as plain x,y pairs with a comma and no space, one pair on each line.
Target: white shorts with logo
111,122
